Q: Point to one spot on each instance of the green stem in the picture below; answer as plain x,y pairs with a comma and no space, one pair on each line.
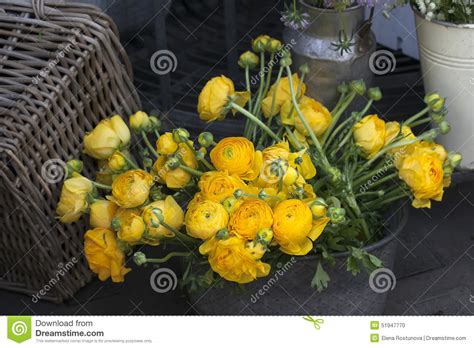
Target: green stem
417,123
191,170
306,124
338,114
101,186
148,144
416,116
202,159
291,137
247,84
167,257
130,162
254,119
338,104
343,124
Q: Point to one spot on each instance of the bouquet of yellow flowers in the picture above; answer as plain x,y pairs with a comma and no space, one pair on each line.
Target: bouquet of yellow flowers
301,179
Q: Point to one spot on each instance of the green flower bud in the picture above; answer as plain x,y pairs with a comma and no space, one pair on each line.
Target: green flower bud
139,258
304,68
448,171
156,194
264,236
238,193
222,234
260,43
435,102
248,59
286,59
115,224
74,166
274,45
374,93
358,86
173,162
337,215
454,159
229,203
343,88
180,135
444,127
158,213
437,117
206,139
155,123
262,194
147,162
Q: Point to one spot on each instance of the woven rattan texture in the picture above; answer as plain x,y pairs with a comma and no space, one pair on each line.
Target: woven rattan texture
62,69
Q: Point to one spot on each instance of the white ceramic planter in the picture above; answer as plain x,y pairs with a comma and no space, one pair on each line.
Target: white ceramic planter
447,63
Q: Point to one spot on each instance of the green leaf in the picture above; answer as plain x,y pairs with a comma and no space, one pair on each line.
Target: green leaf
353,265
375,260
321,278
357,253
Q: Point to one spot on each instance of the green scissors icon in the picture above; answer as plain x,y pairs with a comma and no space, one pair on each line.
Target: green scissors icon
316,322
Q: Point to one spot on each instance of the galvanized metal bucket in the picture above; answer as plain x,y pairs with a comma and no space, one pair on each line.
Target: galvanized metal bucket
328,67
447,63
287,290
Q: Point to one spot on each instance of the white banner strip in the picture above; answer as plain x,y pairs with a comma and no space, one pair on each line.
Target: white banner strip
238,332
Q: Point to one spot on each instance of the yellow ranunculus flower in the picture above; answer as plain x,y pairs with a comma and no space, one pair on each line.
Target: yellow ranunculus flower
392,130
176,178
280,150
233,261
166,145
173,215
108,136
131,188
400,152
217,186
139,121
369,135
282,94
102,212
292,224
73,200
422,171
131,227
205,218
237,155
318,117
215,96
250,216
104,255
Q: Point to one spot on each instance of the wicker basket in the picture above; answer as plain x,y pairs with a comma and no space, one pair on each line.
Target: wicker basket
62,69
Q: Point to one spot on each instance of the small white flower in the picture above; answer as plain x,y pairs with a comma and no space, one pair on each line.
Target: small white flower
429,15
432,6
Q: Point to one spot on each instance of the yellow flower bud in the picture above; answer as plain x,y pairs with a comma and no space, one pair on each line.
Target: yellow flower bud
73,200
172,214
369,134
104,255
165,145
282,92
214,98
101,213
131,225
205,218
290,177
318,210
108,136
260,43
139,121
117,162
274,45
